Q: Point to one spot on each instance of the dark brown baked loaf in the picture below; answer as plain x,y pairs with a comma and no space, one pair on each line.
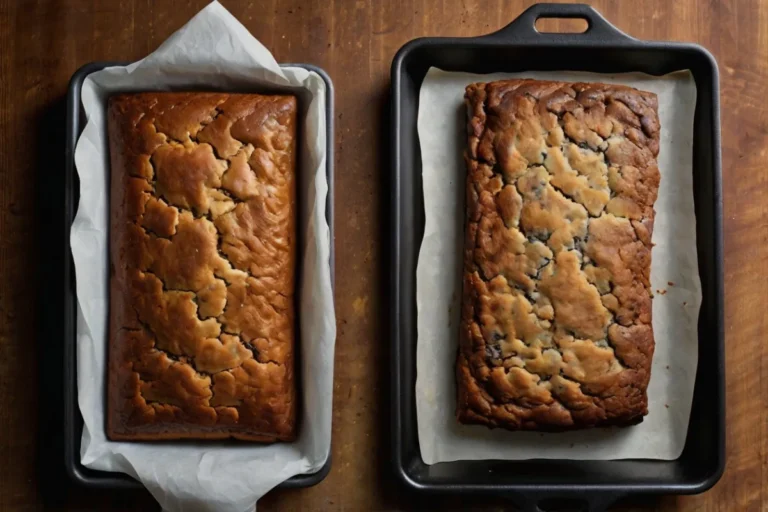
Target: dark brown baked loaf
202,266
556,317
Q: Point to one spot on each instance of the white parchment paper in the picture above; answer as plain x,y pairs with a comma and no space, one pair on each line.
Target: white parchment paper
212,52
442,134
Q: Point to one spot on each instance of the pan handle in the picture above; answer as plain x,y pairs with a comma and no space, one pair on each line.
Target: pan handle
523,28
565,500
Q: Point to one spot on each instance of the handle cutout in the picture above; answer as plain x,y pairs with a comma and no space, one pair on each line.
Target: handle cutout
562,505
554,25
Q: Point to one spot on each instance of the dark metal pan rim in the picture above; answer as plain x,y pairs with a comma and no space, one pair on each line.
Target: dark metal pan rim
72,418
602,48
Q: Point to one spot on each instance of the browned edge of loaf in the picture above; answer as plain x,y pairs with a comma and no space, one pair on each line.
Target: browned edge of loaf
202,267
556,313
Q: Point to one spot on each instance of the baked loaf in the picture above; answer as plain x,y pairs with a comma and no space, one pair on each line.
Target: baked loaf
556,316
203,250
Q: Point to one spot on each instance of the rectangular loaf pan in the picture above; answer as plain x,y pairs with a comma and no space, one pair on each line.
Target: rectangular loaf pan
73,421
520,47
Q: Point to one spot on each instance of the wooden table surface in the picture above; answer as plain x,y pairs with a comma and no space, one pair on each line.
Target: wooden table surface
43,42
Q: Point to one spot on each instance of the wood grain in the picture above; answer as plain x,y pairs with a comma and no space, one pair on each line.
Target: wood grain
43,42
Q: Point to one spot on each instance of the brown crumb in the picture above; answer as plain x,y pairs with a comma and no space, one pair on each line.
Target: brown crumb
670,283
667,406
489,306
685,303
161,399
661,292
667,367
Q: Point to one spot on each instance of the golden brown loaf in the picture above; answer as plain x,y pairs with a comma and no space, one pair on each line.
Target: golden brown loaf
556,317
202,266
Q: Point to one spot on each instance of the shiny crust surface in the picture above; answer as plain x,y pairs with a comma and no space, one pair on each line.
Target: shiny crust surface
556,311
202,264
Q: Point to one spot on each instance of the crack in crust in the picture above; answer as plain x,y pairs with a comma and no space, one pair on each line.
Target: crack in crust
556,314
202,266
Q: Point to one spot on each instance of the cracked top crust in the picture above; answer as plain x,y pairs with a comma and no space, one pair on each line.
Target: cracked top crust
556,314
203,242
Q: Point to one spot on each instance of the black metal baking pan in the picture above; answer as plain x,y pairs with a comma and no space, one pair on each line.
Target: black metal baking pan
520,47
73,421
